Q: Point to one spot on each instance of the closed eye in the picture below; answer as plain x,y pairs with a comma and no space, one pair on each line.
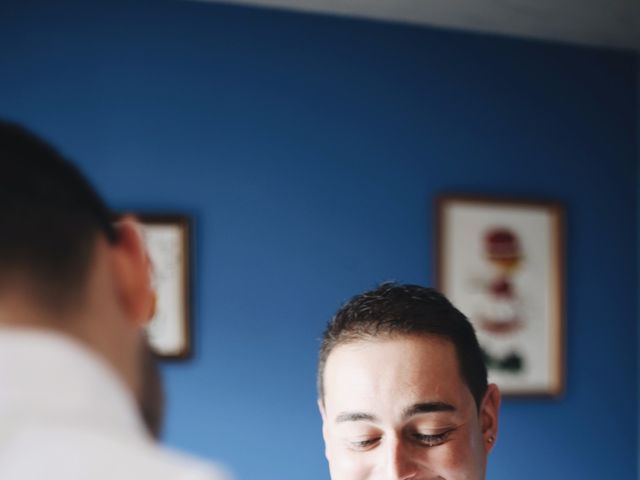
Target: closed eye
361,445
431,440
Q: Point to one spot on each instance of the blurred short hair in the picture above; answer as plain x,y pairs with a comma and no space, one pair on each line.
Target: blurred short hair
50,218
396,310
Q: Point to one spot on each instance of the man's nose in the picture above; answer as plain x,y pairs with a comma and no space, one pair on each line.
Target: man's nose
400,464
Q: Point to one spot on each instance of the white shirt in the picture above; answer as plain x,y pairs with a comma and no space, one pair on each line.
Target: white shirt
66,415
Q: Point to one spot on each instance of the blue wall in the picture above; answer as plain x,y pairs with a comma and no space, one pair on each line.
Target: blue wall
309,150
638,231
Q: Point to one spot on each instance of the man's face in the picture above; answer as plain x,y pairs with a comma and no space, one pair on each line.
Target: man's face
397,408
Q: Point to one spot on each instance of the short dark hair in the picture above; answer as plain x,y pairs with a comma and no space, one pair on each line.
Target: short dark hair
395,309
50,217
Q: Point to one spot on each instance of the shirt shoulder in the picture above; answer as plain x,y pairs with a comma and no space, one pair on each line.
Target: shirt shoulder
186,467
73,455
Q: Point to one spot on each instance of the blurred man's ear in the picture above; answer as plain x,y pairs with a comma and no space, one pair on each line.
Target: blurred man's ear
132,269
489,410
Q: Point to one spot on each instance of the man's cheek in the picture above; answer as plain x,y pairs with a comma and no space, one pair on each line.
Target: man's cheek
348,465
453,462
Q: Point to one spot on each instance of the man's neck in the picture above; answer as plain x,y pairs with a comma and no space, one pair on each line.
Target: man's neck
19,310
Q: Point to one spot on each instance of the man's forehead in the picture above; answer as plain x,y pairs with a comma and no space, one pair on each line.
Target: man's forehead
429,346
423,365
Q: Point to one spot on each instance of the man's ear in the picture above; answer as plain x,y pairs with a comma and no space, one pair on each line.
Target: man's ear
132,272
489,412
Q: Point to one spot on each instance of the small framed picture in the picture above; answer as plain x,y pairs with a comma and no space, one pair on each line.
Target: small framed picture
168,240
501,263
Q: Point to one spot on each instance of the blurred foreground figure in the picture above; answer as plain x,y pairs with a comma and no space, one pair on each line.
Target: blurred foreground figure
151,400
403,390
75,295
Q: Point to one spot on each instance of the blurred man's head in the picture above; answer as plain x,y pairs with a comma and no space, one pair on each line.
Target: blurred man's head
403,389
63,264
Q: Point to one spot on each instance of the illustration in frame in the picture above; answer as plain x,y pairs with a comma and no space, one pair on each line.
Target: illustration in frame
501,263
168,240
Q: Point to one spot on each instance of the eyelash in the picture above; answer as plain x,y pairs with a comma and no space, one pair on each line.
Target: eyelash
422,439
431,440
364,444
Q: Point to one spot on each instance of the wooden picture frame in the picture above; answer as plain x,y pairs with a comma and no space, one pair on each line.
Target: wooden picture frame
168,238
501,262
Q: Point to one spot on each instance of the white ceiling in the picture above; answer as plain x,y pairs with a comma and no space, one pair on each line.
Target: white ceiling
607,23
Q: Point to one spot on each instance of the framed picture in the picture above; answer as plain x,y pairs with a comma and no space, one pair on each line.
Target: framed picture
501,263
168,239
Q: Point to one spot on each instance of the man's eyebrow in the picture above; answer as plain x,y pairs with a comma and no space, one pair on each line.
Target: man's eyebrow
355,417
427,407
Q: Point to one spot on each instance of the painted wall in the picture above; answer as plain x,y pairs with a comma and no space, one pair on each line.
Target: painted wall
309,150
638,230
